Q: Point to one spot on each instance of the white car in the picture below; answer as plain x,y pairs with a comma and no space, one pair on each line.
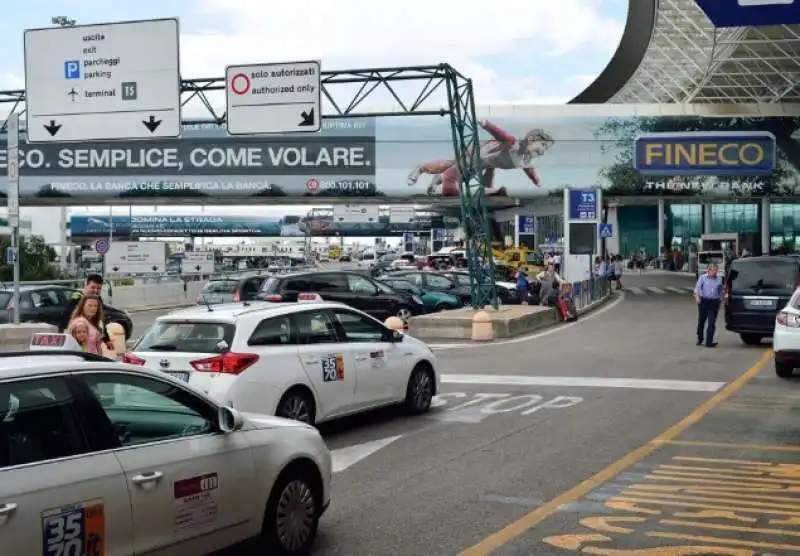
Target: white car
99,457
312,361
786,337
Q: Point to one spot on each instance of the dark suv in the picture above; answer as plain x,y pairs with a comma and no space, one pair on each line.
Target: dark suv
756,289
352,288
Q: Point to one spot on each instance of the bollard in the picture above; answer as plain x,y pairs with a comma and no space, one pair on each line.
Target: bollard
482,330
117,335
395,323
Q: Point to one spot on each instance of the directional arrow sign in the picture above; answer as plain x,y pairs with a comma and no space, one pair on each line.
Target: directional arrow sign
351,455
95,82
284,97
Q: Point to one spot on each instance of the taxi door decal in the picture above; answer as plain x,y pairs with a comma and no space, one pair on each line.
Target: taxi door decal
333,367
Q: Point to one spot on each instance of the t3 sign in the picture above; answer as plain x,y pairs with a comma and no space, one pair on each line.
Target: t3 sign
751,13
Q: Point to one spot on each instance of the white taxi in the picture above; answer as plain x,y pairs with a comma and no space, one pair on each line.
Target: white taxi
99,457
311,361
786,337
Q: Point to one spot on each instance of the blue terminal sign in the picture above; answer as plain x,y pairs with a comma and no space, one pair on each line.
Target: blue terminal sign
751,13
583,204
706,153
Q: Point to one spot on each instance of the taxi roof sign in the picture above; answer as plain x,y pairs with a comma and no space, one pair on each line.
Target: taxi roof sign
309,298
751,13
53,341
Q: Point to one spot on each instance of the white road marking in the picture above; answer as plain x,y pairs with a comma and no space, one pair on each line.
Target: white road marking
351,455
535,335
654,289
635,290
678,290
586,382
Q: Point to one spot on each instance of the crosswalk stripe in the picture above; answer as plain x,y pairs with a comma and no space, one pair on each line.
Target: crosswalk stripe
634,290
655,290
677,290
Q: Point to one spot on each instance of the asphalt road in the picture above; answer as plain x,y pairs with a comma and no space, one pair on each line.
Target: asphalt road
520,423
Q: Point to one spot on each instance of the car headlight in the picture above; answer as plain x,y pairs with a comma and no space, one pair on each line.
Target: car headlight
417,300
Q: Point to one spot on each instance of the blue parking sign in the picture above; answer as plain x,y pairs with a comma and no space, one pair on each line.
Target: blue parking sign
72,69
751,13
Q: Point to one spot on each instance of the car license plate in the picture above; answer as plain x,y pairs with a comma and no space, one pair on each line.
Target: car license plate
761,302
180,375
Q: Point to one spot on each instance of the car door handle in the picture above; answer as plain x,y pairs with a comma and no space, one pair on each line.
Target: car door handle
147,479
310,361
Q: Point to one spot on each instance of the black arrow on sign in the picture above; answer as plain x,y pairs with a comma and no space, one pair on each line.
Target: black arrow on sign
307,118
197,268
152,124
155,268
116,268
52,128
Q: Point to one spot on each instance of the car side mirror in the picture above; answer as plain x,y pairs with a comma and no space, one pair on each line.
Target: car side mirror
397,337
229,420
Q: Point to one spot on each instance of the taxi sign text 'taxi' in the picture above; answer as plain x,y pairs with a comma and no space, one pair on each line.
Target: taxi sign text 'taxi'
706,153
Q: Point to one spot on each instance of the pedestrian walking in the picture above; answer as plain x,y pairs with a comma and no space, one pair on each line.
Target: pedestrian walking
707,294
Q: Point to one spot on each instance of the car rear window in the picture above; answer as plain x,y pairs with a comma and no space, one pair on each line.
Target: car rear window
221,286
194,337
5,298
755,274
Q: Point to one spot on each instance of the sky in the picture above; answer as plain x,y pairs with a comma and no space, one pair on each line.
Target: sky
515,51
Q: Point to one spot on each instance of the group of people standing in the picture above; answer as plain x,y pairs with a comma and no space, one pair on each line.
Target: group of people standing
610,266
85,320
543,289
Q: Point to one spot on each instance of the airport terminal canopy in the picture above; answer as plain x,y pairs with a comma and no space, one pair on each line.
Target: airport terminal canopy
672,53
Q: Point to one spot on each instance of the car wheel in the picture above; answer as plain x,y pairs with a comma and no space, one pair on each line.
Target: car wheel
420,390
298,406
291,519
751,339
783,370
404,313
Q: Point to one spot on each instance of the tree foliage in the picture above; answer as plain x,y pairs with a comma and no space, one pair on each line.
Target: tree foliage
619,136
37,260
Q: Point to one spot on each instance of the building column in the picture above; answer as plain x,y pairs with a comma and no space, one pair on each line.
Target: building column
64,250
613,243
707,215
662,226
766,209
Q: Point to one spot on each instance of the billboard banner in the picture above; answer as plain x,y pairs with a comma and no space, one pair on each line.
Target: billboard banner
164,225
410,159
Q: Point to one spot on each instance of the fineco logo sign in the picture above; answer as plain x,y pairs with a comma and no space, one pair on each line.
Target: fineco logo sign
700,153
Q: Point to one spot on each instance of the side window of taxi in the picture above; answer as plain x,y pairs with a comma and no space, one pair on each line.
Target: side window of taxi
144,410
275,331
358,328
315,327
38,422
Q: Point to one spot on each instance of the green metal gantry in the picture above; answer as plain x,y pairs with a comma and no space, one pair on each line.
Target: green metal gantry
346,92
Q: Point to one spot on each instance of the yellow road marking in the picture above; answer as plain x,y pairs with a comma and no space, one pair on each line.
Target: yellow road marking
746,447
526,522
734,528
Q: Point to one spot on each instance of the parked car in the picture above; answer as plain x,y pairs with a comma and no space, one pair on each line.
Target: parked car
351,288
433,300
506,291
231,290
48,304
756,289
436,282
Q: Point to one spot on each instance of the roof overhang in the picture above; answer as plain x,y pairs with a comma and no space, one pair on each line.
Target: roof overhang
686,59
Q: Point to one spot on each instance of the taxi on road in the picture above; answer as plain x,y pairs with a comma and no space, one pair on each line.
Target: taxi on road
311,361
99,457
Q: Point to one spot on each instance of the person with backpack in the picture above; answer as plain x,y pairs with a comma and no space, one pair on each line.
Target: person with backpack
522,285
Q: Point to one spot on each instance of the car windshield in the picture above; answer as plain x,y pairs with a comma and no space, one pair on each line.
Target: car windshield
5,298
220,286
710,257
755,275
195,337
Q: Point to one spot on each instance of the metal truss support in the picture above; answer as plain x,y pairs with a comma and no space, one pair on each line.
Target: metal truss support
346,92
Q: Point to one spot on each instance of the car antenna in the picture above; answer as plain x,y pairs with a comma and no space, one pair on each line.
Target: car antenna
208,305
246,303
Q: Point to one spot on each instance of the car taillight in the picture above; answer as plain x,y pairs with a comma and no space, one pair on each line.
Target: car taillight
727,294
227,363
10,305
236,298
790,320
131,359
275,297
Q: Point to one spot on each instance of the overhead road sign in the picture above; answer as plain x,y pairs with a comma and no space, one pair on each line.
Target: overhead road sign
751,13
105,81
136,257
197,262
355,214
274,98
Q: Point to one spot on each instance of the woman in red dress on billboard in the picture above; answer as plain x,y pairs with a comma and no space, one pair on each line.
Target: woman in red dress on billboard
502,152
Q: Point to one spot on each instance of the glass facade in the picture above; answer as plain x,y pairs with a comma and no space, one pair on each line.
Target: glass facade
684,227
734,218
784,219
